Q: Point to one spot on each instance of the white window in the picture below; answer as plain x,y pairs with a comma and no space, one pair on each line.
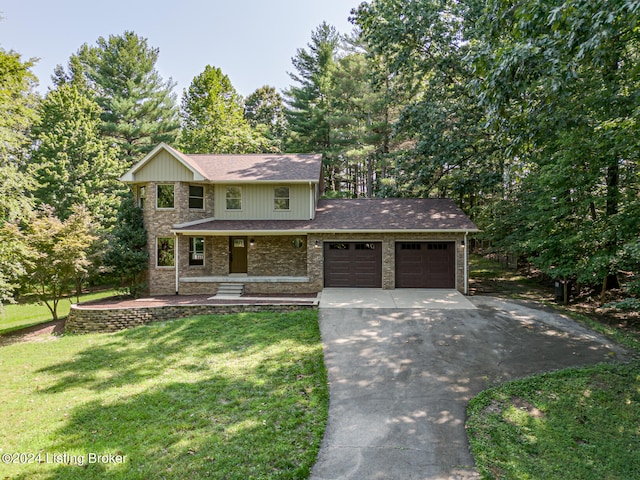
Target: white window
281,198
165,252
165,196
196,251
234,198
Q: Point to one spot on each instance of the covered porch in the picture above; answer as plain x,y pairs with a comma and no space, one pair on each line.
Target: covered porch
261,264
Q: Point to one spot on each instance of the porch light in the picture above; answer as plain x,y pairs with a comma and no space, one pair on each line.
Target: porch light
252,242
316,244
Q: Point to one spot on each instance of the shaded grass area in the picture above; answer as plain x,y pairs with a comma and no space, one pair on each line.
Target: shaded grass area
29,313
228,397
571,424
489,277
574,424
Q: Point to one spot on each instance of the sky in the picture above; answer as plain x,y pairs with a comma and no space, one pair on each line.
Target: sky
252,41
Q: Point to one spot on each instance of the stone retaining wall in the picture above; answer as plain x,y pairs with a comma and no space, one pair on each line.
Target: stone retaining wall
103,320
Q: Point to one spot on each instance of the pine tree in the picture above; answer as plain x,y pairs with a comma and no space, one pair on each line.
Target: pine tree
138,106
127,254
308,105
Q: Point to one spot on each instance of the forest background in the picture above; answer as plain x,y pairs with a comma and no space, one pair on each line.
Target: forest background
525,113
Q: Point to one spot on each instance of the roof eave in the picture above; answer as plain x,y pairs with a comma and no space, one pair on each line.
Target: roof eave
307,231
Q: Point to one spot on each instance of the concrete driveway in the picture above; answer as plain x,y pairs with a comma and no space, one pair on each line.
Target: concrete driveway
401,379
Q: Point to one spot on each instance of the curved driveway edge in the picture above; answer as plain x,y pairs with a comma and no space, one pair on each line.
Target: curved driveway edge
401,379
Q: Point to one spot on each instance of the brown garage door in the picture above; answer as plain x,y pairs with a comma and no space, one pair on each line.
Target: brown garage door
425,265
353,264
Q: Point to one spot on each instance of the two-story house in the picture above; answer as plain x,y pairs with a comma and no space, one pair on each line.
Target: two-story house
258,220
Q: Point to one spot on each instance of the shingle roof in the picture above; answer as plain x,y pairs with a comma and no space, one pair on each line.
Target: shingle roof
352,215
258,167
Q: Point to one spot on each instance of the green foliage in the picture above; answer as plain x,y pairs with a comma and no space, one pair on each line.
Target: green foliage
18,103
127,254
421,48
26,312
14,256
336,110
213,119
138,108
59,253
559,86
308,103
264,111
71,162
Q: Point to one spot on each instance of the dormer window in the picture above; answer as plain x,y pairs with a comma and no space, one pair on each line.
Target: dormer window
234,198
165,196
196,197
281,198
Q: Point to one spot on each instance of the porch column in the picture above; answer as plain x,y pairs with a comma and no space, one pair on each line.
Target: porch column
176,260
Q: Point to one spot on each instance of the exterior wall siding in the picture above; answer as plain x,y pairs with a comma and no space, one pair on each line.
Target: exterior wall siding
163,168
257,203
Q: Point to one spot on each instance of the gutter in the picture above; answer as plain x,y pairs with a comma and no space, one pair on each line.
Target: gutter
466,264
307,231
177,261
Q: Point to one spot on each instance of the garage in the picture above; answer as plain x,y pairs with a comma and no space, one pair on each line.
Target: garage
425,265
353,264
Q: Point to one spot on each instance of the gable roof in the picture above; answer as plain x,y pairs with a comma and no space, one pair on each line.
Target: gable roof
364,215
235,168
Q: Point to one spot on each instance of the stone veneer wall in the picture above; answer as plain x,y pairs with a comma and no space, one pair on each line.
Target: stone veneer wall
104,320
159,223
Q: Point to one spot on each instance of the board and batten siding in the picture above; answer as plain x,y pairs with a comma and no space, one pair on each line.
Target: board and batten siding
164,168
258,202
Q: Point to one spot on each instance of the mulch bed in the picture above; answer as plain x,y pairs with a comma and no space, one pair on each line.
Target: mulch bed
34,333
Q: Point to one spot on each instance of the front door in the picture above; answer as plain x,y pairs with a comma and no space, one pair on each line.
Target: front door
237,254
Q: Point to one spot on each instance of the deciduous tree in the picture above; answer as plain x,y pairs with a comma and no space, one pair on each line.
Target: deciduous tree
213,119
71,162
264,110
59,253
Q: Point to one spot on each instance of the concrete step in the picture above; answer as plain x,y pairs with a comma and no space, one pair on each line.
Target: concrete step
233,290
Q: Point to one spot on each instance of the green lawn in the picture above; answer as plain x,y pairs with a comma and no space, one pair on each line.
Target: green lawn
573,424
228,397
26,314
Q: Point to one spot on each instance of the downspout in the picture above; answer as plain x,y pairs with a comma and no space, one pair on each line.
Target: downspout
311,205
466,264
177,261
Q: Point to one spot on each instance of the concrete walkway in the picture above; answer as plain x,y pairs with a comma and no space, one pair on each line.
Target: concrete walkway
401,379
399,298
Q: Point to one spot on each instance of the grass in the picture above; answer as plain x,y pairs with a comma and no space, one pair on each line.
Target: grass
571,424
227,397
575,424
29,313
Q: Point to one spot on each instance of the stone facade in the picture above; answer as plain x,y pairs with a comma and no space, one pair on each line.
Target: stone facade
103,320
299,256
158,222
